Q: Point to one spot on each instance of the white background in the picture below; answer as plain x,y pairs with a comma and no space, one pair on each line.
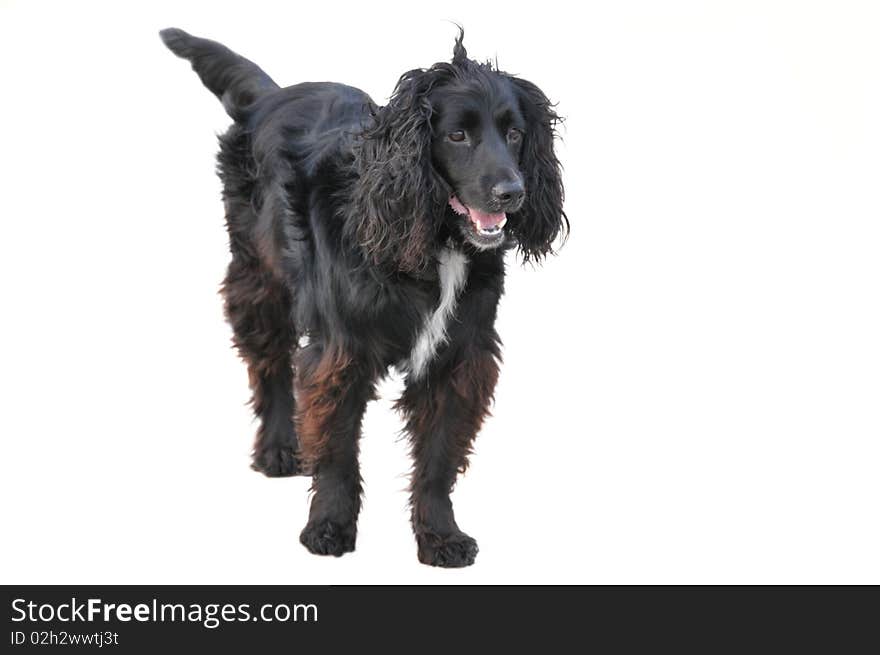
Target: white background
690,391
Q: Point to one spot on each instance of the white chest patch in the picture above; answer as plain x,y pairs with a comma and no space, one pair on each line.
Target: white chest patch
452,270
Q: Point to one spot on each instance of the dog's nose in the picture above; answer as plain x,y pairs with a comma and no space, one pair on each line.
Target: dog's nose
508,193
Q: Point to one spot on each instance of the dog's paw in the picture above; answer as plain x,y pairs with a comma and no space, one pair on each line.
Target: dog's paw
324,537
449,551
278,462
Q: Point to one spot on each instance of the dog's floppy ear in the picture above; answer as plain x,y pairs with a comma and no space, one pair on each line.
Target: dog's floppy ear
541,219
399,198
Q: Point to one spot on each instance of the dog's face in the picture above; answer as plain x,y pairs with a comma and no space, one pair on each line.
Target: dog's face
463,149
478,130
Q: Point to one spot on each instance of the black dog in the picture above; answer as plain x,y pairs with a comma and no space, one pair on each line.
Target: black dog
364,237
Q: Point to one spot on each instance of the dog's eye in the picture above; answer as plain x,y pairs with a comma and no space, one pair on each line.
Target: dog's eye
458,136
514,135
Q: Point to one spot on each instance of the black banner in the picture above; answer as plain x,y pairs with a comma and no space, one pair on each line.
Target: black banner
555,619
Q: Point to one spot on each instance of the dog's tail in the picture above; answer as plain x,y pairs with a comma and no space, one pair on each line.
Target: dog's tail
236,81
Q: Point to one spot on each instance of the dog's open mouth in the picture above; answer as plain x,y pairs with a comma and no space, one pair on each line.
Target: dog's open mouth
488,227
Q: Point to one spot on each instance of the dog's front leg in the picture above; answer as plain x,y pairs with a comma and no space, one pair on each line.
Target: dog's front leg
332,390
444,410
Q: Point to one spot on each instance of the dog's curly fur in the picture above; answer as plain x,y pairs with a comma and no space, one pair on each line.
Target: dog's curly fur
364,237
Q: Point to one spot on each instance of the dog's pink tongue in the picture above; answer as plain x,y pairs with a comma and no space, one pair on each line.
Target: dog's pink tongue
484,220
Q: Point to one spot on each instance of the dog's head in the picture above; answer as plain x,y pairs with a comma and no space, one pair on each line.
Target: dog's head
464,150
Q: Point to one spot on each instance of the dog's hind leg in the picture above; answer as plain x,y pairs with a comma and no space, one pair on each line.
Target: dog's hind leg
258,309
333,388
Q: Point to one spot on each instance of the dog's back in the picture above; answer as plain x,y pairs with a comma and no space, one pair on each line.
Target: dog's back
281,137
307,124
